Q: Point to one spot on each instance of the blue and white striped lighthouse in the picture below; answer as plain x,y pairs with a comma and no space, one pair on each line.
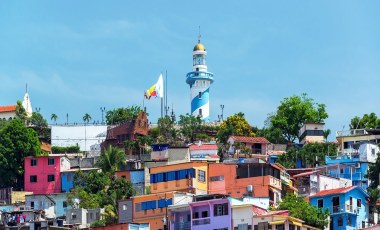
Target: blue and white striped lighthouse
200,80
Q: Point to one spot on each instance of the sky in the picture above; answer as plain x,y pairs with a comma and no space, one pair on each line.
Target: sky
79,56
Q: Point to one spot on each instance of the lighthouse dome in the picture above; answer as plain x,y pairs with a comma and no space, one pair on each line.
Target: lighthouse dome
199,47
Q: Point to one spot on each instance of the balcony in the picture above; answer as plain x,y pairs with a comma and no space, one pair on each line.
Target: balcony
352,132
181,225
201,221
344,209
342,159
274,182
303,190
199,75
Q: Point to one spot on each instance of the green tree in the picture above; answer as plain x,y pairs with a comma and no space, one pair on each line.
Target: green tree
54,117
189,127
120,115
38,120
87,118
166,130
368,121
326,133
299,208
20,111
16,142
235,125
293,112
310,155
111,159
374,172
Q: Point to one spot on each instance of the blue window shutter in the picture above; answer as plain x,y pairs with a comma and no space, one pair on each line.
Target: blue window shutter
161,203
169,202
153,204
176,175
152,178
144,206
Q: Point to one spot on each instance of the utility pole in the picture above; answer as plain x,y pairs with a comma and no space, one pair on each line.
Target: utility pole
103,109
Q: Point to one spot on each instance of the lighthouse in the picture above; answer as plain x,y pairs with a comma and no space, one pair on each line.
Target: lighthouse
200,81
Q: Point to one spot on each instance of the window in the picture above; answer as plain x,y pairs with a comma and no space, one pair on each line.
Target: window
263,226
64,204
280,227
341,170
50,178
340,221
359,203
124,207
32,205
200,95
33,178
221,209
200,112
138,207
204,214
216,178
195,215
51,161
201,175
349,221
91,216
73,216
320,203
373,151
33,162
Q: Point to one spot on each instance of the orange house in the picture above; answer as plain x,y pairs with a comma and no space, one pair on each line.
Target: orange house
191,177
152,208
250,179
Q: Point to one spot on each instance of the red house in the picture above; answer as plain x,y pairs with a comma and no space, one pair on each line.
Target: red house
42,174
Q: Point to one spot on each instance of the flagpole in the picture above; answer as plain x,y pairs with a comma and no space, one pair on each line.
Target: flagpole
166,93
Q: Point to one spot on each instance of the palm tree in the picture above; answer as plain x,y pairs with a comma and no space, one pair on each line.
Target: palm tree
86,118
326,133
54,117
111,159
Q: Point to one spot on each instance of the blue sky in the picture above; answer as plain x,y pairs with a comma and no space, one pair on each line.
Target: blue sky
78,56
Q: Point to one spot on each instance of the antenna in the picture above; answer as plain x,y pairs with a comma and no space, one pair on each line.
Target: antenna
26,88
199,34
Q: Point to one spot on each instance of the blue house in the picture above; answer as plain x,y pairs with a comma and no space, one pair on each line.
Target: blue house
67,177
348,207
353,169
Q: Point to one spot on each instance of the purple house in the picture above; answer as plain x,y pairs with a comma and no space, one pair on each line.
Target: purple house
204,213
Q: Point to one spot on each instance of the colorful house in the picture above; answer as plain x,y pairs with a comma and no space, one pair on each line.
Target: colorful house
204,152
275,220
348,207
246,179
257,145
67,178
53,205
136,177
210,212
191,177
43,174
153,208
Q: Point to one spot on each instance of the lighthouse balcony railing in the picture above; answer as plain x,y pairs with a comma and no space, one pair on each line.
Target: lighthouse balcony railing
200,74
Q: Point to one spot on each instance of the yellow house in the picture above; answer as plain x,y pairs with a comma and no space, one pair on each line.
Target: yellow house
188,177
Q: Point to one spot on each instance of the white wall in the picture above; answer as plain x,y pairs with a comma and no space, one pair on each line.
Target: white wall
242,215
368,152
81,135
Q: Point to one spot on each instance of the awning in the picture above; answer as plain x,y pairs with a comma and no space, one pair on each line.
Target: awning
277,222
297,223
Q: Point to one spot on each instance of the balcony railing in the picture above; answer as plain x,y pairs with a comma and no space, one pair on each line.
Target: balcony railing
202,221
352,132
342,159
182,225
344,208
275,182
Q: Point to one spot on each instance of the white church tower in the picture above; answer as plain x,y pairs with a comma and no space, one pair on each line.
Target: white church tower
200,81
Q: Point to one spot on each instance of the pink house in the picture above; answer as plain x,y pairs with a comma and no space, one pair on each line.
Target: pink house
42,174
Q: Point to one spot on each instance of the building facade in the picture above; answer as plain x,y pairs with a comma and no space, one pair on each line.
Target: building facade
348,207
43,173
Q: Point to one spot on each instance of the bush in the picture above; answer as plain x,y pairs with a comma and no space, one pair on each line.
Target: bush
69,149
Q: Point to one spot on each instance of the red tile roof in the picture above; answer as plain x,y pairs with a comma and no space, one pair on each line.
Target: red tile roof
203,147
333,191
303,174
7,108
261,140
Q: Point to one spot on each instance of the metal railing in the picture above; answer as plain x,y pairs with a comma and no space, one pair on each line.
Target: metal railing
202,221
182,225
